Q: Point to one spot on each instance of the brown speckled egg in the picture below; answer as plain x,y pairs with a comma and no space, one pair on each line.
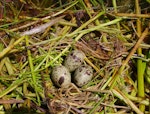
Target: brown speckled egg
74,60
60,76
83,75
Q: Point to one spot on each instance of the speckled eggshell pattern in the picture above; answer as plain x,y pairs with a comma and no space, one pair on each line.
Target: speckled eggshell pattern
74,60
61,76
83,75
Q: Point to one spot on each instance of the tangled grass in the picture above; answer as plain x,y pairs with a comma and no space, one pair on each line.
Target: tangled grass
37,35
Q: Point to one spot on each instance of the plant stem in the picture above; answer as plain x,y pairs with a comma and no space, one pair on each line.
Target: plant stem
115,9
140,64
32,70
13,86
144,34
6,50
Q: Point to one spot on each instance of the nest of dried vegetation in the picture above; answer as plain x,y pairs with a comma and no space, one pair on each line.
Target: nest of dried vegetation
35,37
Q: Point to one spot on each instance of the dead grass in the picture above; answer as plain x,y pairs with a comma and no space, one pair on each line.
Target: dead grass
37,35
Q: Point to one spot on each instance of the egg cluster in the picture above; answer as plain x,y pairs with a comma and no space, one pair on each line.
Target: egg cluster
81,73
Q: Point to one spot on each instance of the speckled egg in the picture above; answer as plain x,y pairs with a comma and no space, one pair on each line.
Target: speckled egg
61,76
83,75
74,60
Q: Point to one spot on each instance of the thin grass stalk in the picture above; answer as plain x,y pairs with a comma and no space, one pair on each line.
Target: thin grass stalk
91,64
9,66
144,34
9,48
92,11
37,19
138,100
32,70
141,66
117,24
95,28
25,90
13,86
87,7
60,12
97,104
41,63
7,62
115,9
126,100
88,22
125,15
